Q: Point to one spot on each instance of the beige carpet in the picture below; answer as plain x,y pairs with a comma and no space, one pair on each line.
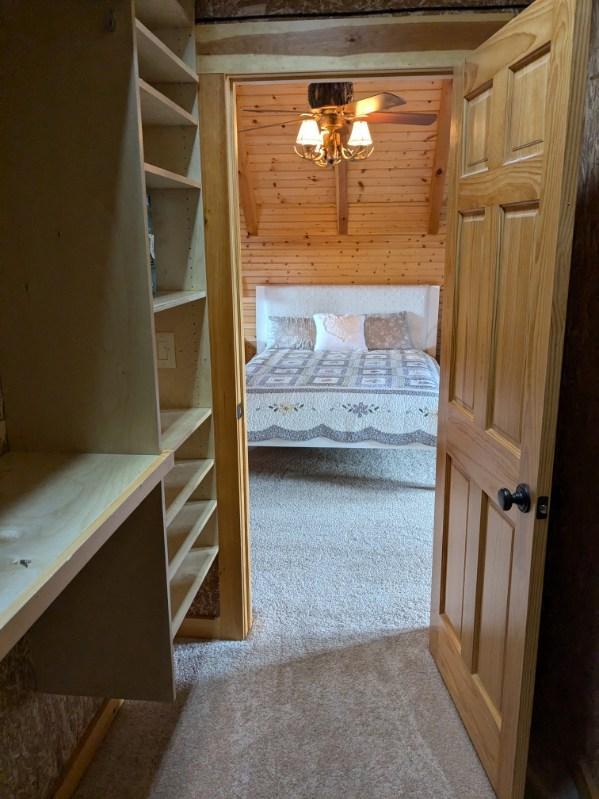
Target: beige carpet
334,695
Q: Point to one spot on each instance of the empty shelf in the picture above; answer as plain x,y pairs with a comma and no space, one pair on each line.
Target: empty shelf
56,512
158,178
178,425
181,482
184,530
157,109
171,299
187,581
162,14
157,62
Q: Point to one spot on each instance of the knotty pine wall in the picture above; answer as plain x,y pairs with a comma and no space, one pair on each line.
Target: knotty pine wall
275,257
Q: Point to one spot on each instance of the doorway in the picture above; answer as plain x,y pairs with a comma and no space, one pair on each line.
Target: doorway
342,536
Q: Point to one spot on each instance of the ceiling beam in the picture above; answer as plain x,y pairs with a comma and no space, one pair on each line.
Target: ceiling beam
341,196
246,192
440,160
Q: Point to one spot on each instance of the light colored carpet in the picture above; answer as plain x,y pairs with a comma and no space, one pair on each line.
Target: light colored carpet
334,695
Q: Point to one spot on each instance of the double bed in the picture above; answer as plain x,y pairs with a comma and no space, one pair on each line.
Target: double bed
377,398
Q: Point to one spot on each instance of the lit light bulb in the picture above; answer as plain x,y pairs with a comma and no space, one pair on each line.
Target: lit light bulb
309,134
360,134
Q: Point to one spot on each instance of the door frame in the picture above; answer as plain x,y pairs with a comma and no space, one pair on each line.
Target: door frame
219,74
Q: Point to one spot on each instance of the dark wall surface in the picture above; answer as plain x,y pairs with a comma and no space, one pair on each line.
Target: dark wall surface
566,714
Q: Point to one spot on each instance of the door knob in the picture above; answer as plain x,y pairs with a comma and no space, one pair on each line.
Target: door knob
520,497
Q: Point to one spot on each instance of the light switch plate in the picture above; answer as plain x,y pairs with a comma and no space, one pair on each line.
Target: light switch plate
165,350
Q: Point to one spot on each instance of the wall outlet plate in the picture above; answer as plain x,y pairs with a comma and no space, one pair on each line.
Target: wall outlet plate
165,351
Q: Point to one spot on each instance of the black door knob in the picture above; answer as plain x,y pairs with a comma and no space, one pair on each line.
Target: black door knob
520,497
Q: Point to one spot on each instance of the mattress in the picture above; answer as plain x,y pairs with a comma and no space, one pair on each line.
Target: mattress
384,396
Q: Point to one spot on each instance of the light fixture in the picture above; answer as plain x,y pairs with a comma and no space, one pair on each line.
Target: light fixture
360,134
323,139
308,134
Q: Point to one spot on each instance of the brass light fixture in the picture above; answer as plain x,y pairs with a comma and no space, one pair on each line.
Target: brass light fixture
322,138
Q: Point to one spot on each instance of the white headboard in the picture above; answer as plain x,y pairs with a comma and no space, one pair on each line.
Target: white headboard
421,303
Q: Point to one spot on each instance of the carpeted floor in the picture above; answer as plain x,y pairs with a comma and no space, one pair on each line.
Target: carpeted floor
334,695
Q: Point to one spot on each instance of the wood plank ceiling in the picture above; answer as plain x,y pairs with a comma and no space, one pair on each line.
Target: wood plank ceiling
378,220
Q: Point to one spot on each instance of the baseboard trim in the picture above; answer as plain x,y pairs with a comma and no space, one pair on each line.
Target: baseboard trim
86,749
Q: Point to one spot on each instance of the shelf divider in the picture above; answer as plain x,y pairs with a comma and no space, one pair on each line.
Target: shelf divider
159,178
181,482
178,425
171,299
185,529
187,581
158,109
157,62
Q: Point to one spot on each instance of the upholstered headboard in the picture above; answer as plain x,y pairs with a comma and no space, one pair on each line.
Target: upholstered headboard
421,303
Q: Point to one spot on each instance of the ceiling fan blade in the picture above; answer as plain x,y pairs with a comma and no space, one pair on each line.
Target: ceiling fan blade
377,102
272,125
266,110
401,118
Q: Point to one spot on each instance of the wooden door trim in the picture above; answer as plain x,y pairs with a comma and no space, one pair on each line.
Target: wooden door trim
344,44
221,216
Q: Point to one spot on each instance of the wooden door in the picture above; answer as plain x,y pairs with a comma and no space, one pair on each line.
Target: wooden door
515,146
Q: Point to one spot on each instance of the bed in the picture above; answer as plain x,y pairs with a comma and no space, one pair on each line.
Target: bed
382,398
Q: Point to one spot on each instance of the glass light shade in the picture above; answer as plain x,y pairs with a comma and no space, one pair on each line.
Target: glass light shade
360,135
308,134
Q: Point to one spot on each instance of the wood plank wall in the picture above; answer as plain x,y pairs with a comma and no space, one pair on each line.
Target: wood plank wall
295,215
328,259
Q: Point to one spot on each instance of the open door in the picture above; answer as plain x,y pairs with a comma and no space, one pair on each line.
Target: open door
515,144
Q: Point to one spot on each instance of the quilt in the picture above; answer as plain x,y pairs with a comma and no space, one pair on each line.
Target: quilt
384,396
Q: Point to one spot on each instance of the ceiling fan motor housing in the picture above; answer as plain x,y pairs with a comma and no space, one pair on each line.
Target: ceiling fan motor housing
321,95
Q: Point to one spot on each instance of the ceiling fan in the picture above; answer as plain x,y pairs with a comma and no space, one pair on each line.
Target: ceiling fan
336,128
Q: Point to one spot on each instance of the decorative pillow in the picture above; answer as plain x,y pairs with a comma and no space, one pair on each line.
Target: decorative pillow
291,333
388,331
340,333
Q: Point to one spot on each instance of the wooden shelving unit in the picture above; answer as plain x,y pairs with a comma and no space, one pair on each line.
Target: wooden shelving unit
165,45
108,507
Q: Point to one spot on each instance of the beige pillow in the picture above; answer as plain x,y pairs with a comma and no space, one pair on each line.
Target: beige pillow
291,333
388,331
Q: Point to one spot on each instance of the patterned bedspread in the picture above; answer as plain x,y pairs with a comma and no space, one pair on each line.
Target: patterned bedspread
386,396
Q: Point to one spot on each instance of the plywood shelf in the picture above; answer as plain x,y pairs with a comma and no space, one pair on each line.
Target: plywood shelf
171,299
181,482
158,178
157,109
162,14
157,62
57,511
177,425
187,581
185,529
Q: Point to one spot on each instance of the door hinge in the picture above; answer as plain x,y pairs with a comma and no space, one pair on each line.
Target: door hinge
239,410
542,507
